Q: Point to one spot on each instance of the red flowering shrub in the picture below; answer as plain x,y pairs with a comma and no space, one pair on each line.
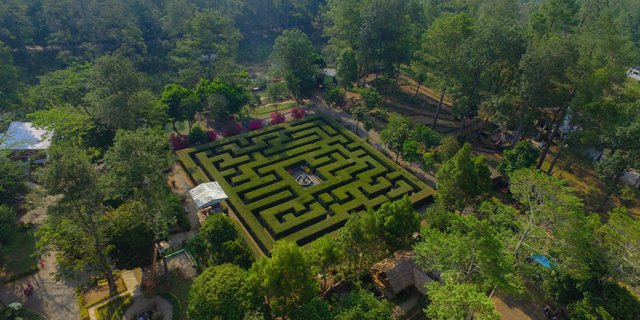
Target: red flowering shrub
277,118
255,124
233,130
297,112
178,141
212,135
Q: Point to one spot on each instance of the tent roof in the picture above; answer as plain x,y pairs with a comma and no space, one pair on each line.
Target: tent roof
24,136
207,194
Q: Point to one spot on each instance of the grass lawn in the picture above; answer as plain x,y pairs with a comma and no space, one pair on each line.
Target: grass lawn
98,293
18,258
263,173
262,111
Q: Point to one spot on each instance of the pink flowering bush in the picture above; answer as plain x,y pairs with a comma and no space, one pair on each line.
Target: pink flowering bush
178,141
212,135
255,124
277,118
233,130
297,112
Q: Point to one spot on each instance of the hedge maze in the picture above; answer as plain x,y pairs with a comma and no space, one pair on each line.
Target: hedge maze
254,170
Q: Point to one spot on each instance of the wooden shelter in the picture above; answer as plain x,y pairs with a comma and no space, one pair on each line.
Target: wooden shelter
399,273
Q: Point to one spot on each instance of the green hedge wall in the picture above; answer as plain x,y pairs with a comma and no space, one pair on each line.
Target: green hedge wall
252,169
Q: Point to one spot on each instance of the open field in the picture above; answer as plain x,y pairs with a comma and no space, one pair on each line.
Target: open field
259,171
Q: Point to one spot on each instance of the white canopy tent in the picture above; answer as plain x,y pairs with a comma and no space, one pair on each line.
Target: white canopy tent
207,194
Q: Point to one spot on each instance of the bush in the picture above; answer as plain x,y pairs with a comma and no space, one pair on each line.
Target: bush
232,130
297,112
449,146
212,135
255,124
178,142
197,136
428,161
335,96
521,155
277,91
277,118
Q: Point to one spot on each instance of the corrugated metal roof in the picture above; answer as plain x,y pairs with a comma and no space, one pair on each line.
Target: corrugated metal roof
24,136
207,194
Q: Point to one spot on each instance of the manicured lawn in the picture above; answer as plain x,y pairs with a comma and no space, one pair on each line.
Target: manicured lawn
18,258
259,171
268,109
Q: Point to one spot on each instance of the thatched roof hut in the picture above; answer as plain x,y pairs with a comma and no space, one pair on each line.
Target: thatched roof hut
394,275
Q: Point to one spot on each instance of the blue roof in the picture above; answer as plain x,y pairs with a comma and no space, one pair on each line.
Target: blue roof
543,261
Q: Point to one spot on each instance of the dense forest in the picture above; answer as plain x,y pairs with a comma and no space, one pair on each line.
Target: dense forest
122,82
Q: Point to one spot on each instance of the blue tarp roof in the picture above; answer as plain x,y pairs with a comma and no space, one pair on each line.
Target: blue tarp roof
542,260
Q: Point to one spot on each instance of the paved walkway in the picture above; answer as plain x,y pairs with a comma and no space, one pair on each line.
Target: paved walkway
52,298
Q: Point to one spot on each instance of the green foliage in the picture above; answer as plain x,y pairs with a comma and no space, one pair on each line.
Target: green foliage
469,251
315,309
223,98
197,136
219,242
362,305
268,197
325,255
462,179
397,221
521,155
7,224
222,292
9,78
12,176
118,97
129,235
62,87
427,137
207,49
622,260
347,69
277,91
75,225
398,130
335,96
459,301
294,59
135,164
370,96
449,146
273,278
428,161
70,124
410,151
181,103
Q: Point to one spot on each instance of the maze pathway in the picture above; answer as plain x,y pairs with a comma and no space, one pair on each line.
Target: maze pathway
252,169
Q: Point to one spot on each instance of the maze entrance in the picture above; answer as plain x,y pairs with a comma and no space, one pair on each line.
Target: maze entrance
259,171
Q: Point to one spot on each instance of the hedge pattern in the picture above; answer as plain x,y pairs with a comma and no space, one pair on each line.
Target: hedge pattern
252,169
